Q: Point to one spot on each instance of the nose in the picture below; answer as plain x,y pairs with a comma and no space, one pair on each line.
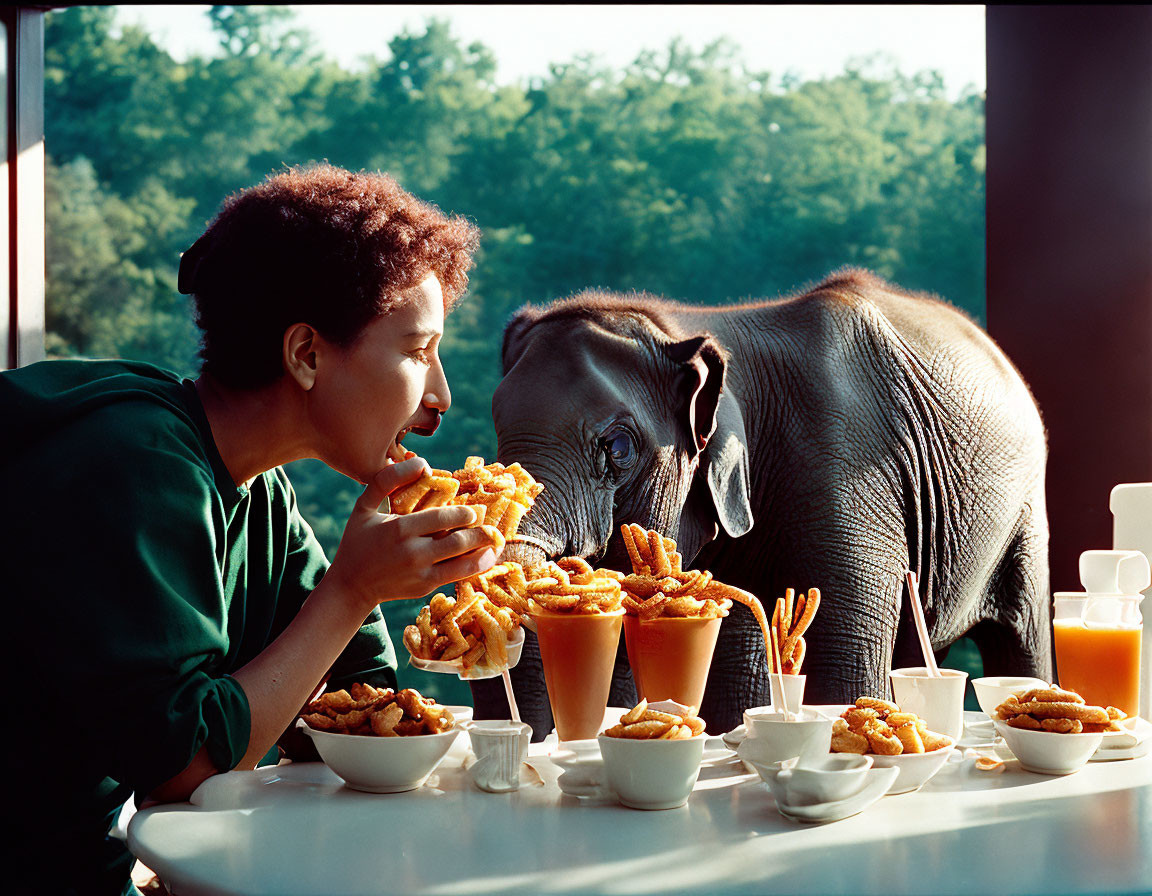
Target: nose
438,396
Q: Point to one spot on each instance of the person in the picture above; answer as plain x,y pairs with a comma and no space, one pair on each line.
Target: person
169,610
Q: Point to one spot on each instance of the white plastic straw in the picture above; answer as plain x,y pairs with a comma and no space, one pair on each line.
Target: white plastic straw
511,697
921,625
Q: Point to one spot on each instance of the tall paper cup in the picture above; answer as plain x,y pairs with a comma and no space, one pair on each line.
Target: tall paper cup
670,656
938,701
578,653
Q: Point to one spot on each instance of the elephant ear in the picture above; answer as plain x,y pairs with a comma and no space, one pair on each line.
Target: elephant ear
716,427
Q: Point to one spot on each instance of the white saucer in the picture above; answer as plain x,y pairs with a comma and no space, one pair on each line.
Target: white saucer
877,783
1131,743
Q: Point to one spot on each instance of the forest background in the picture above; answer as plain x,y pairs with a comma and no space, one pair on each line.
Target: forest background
684,174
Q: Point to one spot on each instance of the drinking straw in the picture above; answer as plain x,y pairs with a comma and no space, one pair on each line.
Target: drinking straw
780,673
511,697
921,625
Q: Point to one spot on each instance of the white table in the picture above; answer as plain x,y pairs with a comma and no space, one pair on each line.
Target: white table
295,829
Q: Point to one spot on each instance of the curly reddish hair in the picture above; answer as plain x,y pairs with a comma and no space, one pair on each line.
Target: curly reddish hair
318,245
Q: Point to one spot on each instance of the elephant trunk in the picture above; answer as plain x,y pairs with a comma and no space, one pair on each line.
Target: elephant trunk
564,520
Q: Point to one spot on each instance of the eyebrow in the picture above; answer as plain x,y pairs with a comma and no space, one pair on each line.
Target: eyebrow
422,334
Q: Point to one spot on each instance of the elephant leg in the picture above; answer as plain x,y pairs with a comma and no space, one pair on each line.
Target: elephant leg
738,677
1016,638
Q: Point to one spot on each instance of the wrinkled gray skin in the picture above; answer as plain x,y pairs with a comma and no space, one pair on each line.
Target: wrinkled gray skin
833,439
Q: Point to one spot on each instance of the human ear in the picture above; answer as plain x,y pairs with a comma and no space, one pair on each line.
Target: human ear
299,354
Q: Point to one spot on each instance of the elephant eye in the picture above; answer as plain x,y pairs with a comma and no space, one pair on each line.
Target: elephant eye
619,450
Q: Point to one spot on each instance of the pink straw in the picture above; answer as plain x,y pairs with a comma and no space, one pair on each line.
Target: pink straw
511,697
921,625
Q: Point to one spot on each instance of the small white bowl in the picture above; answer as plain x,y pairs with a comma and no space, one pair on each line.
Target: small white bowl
651,774
993,690
771,738
382,764
828,779
1047,752
916,769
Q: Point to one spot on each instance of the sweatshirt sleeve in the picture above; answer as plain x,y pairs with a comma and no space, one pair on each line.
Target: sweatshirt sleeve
127,601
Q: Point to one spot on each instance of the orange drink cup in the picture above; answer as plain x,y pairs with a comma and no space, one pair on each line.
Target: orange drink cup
1097,640
578,652
670,656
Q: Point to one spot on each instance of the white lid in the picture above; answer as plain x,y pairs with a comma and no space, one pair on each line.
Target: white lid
1114,572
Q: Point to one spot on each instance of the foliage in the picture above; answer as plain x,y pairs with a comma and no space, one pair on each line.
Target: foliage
684,174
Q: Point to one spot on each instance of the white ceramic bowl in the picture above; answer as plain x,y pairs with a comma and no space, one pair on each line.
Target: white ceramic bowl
991,691
1047,752
833,777
382,764
916,769
771,738
651,774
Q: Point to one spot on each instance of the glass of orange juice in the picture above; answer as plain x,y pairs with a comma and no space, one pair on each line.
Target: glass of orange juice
1097,639
578,653
670,656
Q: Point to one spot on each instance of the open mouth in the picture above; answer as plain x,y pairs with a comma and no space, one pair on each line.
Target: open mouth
396,451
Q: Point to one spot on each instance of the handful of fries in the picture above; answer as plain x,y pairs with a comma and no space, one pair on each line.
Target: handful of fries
1059,711
790,620
878,726
569,585
468,628
500,495
643,723
365,710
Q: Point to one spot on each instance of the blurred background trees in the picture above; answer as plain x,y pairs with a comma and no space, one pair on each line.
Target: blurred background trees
684,175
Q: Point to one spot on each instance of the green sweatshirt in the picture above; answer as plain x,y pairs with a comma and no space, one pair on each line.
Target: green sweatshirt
136,578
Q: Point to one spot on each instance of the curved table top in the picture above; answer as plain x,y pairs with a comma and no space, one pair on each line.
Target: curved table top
295,829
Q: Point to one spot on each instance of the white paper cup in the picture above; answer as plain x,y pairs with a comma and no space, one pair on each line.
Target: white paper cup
500,748
938,701
793,691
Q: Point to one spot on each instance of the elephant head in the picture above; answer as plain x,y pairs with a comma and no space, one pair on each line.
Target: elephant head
624,418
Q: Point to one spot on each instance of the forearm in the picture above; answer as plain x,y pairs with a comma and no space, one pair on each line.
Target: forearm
279,680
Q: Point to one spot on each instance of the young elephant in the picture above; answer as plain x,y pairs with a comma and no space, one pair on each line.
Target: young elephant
833,439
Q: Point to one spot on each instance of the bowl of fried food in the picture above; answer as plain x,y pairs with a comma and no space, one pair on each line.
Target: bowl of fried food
379,740
652,756
894,739
1052,731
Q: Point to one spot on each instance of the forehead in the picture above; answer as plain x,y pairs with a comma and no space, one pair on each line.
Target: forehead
420,309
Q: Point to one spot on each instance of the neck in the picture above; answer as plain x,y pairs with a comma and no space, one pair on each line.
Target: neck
252,428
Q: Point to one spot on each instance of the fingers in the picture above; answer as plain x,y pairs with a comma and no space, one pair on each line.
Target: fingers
436,519
461,567
388,480
461,541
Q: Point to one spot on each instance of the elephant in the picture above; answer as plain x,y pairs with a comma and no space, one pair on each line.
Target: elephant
834,438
